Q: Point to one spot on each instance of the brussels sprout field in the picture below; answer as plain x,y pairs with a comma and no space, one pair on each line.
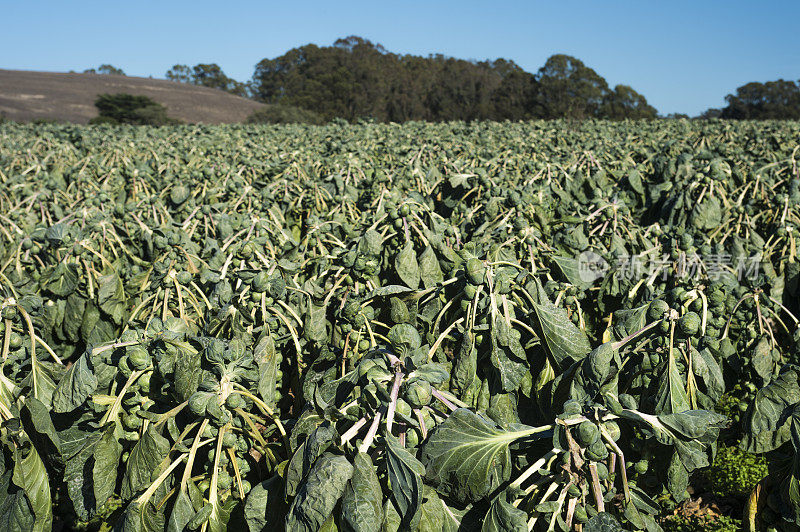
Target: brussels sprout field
499,327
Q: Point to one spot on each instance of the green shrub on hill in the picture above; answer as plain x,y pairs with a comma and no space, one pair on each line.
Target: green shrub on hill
130,109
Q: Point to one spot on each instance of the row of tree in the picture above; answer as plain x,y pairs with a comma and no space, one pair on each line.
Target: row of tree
355,78
762,101
207,75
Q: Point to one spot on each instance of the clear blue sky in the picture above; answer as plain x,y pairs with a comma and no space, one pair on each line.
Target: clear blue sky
684,56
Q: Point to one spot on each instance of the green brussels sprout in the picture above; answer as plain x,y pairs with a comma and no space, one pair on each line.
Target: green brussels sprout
404,338
260,282
9,312
470,291
138,357
657,309
123,367
224,481
412,438
572,408
574,491
131,422
476,271
597,451
602,470
15,340
642,466
144,382
418,393
229,440
689,324
234,401
612,427
403,408
588,433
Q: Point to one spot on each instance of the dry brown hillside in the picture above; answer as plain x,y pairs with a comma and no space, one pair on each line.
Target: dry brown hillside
26,96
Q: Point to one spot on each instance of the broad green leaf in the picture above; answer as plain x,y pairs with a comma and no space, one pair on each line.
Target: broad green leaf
143,463
75,386
16,513
319,493
628,321
405,480
182,512
264,506
302,461
40,429
362,501
671,396
465,365
677,478
504,517
707,214
107,454
429,270
79,451
565,341
432,515
314,323
31,475
466,458
265,357
571,270
511,367
388,290
406,266
765,423
41,380
63,280
111,296
761,359
137,518
187,372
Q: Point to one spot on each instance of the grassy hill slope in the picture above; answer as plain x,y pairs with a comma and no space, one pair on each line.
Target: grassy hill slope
26,95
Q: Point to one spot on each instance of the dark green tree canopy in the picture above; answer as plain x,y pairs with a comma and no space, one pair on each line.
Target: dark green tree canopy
761,101
356,78
105,69
206,75
180,73
568,88
624,102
